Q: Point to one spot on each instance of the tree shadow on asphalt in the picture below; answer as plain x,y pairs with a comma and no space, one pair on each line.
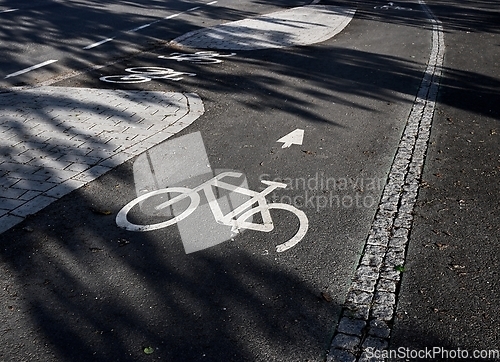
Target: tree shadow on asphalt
96,20
99,22
473,16
92,292
301,80
80,289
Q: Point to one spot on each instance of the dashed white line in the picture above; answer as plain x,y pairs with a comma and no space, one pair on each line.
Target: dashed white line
8,11
173,16
145,26
26,70
98,43
142,27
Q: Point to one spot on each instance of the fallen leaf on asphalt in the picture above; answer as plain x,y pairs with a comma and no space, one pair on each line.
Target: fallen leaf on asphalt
123,242
100,212
326,296
308,152
441,246
400,268
425,184
148,350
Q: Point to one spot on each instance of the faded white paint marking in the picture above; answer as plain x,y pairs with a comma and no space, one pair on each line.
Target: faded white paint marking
391,6
212,2
142,27
145,74
98,43
26,70
173,16
193,9
292,27
295,137
8,11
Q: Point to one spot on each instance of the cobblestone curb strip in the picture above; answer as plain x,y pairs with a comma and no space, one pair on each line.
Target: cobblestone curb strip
369,307
298,26
54,140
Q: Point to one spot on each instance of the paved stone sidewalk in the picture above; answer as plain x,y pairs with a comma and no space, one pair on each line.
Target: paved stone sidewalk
298,26
54,140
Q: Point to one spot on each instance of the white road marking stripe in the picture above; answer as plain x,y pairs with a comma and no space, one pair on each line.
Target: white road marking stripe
139,28
8,10
98,43
143,26
26,70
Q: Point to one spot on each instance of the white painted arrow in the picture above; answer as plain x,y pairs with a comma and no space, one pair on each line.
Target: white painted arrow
295,137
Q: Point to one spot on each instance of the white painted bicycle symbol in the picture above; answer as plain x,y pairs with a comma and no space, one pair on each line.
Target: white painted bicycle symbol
204,57
391,6
146,74
245,210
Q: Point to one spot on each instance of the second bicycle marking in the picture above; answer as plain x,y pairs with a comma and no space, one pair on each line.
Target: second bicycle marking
146,74
391,6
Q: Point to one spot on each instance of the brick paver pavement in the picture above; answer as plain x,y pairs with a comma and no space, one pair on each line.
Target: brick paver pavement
298,26
54,140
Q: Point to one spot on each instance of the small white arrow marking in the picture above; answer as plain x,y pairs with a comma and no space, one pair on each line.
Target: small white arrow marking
295,137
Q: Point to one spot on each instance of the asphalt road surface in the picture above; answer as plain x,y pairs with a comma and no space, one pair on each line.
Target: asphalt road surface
313,124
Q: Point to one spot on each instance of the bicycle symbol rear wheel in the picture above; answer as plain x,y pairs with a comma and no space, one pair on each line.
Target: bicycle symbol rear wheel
122,216
299,235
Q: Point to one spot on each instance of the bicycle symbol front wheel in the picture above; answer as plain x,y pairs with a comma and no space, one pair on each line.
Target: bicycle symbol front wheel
122,216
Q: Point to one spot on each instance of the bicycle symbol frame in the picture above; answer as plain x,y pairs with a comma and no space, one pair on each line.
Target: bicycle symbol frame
232,219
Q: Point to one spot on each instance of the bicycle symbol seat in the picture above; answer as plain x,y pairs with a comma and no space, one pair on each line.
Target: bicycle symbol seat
237,219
